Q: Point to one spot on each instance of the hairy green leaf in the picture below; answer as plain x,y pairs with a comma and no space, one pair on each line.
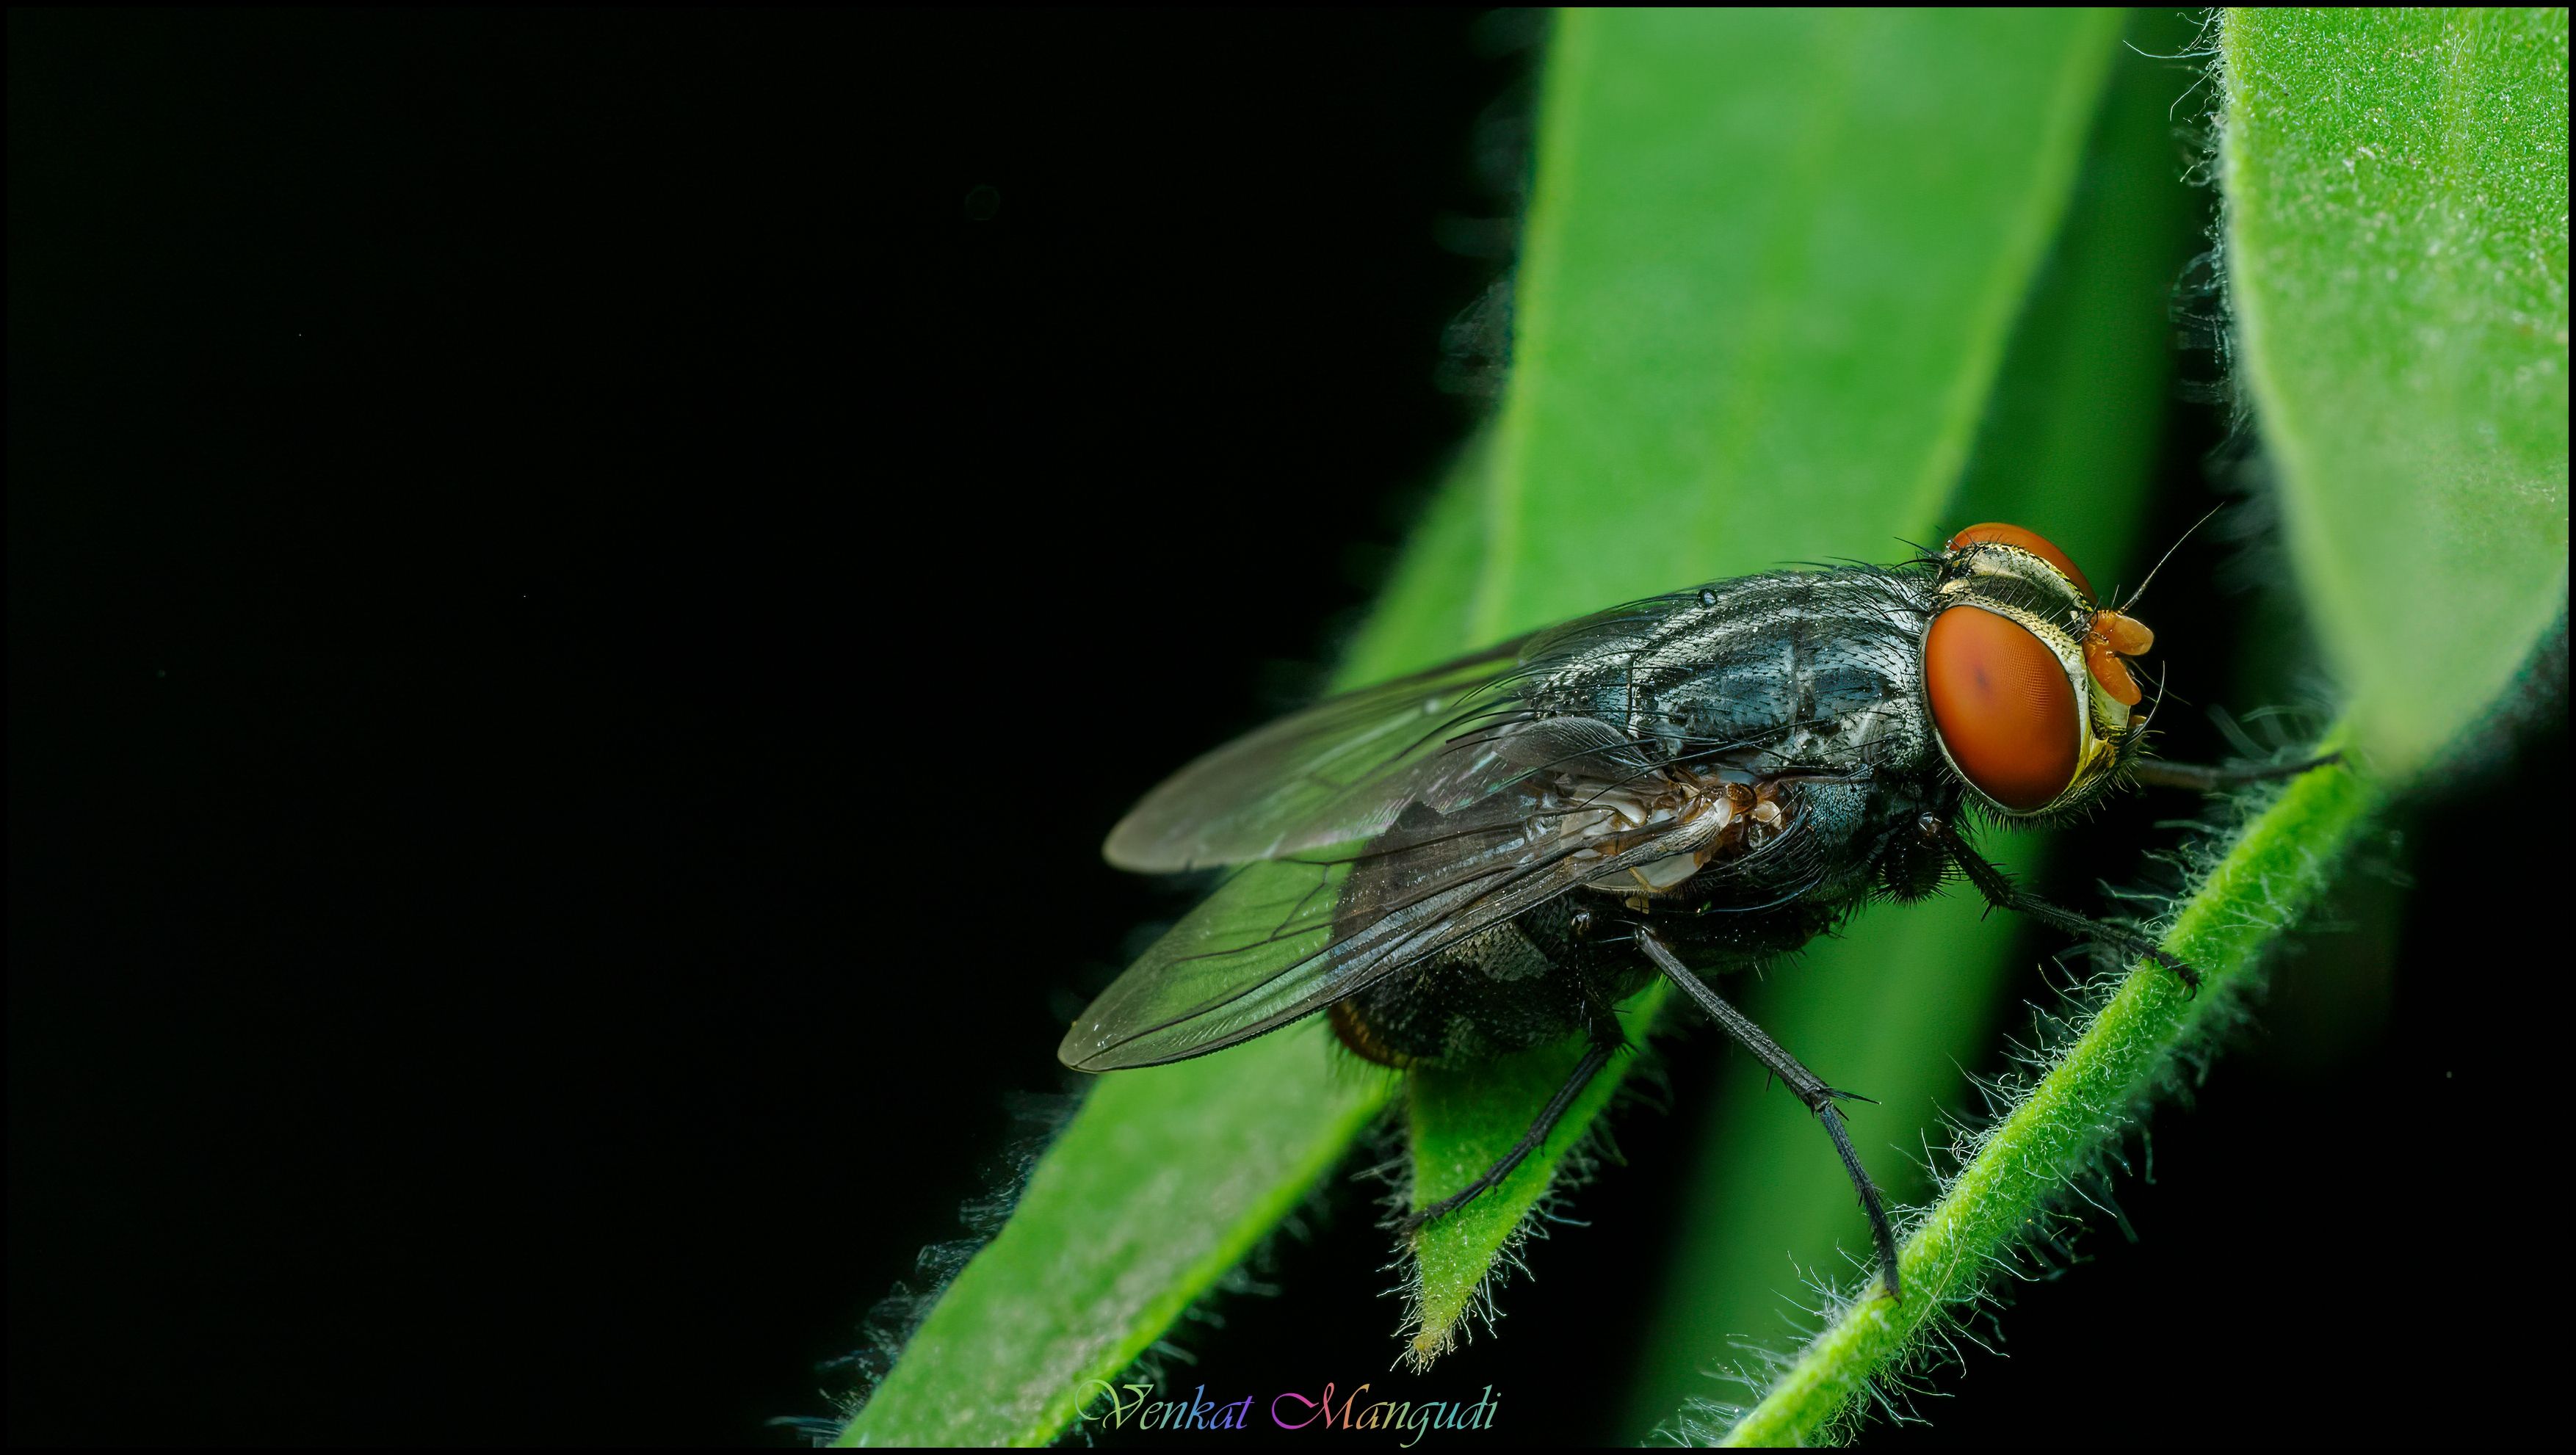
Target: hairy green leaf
2397,260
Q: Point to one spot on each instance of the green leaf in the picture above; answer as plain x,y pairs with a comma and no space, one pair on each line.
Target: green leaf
2397,260
1773,261
1771,264
1907,997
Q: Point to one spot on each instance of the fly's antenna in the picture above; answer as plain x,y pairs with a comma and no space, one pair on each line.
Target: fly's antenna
2123,607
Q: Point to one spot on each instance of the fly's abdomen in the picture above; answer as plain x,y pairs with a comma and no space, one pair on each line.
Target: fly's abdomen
1538,979
1525,983
1491,994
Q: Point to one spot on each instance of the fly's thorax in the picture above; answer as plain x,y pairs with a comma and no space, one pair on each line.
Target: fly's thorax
1804,670
1793,669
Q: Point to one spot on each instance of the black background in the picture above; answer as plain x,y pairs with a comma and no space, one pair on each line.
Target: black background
580,601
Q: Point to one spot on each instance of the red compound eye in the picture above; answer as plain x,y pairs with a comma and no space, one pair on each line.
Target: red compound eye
2029,540
2004,707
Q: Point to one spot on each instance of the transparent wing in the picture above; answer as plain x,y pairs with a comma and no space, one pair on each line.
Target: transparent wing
1344,769
1304,781
1284,937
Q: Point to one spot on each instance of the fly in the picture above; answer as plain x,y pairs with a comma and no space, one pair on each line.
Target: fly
1487,857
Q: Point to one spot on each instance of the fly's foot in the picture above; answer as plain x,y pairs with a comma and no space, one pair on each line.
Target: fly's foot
2189,977
1420,1218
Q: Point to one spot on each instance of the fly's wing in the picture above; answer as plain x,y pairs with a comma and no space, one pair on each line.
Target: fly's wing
1346,768
1306,781
1285,937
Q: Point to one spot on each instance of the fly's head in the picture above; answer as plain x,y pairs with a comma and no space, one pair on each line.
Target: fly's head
2027,678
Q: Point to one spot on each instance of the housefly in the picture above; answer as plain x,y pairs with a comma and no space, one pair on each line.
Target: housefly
1488,856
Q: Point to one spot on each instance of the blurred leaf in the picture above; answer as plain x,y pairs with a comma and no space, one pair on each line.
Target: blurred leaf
2397,261
1772,264
1907,996
1773,259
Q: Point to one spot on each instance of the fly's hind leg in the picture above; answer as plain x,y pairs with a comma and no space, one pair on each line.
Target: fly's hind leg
1805,1084
1607,1039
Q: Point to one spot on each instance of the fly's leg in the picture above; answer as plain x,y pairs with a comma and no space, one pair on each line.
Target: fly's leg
2200,778
1607,1038
1805,1084
2002,893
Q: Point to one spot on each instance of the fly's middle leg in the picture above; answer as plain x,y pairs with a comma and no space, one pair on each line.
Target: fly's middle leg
1805,1084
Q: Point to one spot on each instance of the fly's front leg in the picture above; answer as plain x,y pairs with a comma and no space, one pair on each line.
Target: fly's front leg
2200,778
1808,1087
2002,893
